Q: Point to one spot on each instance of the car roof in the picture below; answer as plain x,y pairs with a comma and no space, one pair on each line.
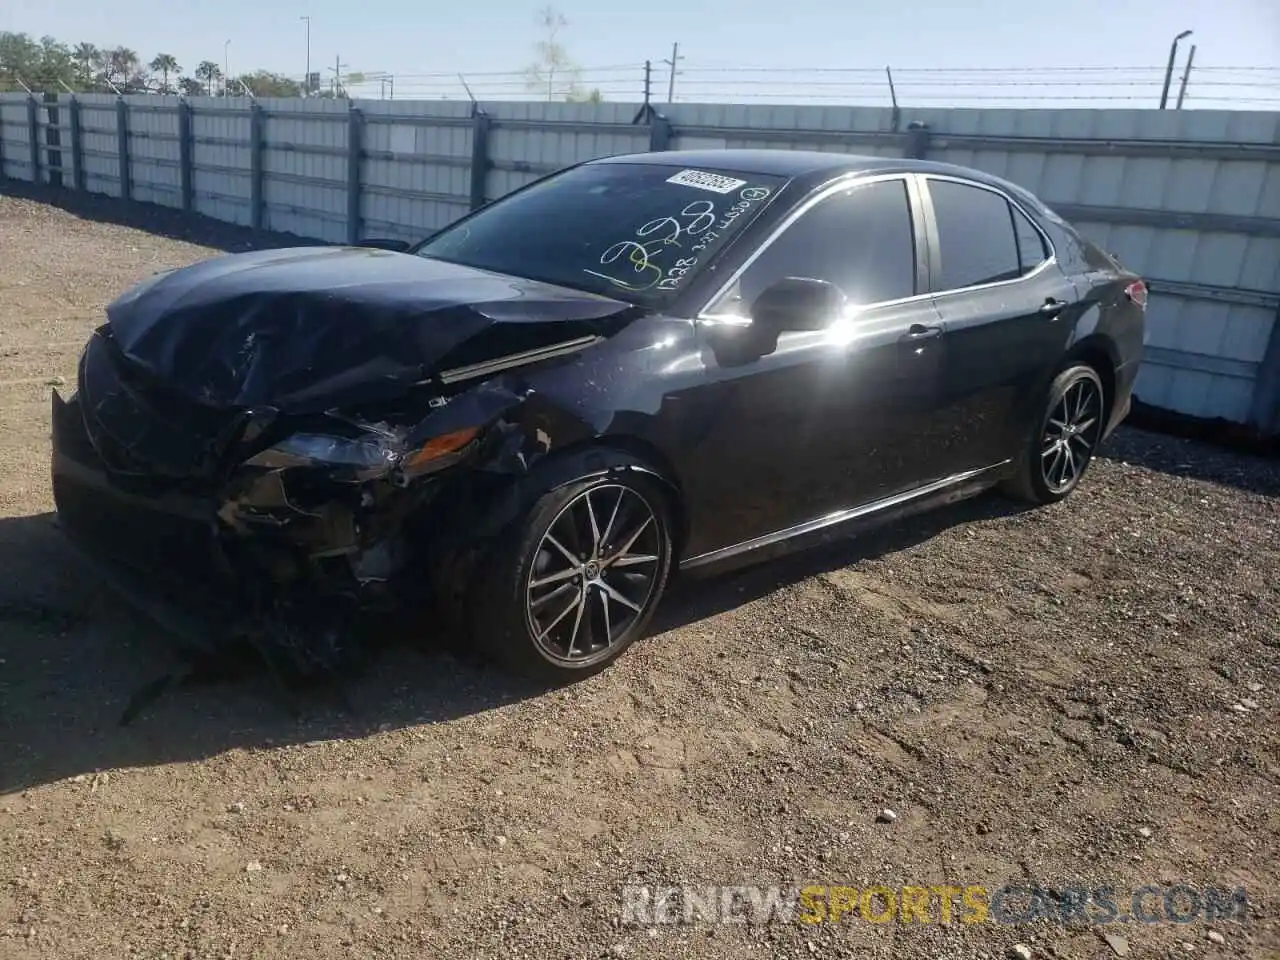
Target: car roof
786,163
802,164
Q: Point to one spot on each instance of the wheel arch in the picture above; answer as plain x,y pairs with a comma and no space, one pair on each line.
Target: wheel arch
470,533
651,461
1101,353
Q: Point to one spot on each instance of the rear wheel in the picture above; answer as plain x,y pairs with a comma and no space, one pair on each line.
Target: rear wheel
1063,446
575,581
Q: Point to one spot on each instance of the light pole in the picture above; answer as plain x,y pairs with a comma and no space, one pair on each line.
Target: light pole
226,68
1168,73
306,78
1186,75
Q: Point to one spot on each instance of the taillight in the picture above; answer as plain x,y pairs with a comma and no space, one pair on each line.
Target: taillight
1137,292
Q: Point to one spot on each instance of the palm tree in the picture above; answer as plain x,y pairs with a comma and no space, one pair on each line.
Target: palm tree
165,64
209,72
85,56
124,69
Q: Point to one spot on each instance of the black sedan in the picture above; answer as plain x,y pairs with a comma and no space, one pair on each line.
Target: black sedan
526,423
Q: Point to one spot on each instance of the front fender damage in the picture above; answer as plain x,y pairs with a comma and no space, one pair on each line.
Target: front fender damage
319,551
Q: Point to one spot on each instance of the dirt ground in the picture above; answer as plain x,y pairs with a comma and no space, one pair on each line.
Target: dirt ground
1073,696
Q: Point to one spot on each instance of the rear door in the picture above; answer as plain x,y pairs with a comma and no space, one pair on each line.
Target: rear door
1008,311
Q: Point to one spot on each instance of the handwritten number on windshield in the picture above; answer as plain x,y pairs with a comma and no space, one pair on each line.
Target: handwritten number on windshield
698,217
703,213
638,257
653,226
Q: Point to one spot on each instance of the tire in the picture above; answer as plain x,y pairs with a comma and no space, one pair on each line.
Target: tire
531,614
1054,461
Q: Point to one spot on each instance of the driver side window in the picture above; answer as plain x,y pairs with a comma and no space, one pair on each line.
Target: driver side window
860,239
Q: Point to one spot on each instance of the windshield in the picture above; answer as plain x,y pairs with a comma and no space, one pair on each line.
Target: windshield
639,232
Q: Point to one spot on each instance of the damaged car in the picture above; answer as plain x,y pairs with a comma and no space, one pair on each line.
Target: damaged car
530,420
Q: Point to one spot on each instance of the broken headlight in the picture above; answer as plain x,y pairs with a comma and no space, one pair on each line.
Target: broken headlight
369,456
363,453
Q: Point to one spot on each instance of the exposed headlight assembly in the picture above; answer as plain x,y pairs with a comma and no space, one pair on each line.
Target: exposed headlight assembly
365,453
369,456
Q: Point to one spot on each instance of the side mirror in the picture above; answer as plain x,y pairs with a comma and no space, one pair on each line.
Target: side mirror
395,246
798,303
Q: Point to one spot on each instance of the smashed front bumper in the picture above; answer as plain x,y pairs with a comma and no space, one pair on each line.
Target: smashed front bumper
210,582
159,552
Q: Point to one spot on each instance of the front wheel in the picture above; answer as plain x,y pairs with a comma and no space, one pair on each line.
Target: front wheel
1067,437
576,580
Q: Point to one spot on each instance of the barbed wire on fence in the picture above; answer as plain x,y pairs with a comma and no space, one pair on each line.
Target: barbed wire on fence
1208,86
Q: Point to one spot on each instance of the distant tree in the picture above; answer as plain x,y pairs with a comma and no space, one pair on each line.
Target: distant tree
165,64
19,59
87,57
209,73
57,66
552,64
43,65
190,87
585,96
122,69
101,64
264,83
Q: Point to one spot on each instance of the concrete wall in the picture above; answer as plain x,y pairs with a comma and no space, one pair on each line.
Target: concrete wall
1190,199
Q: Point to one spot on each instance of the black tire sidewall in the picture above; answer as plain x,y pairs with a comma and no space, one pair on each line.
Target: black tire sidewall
496,605
1063,382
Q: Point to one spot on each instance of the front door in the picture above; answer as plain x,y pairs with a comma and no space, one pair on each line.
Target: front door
827,419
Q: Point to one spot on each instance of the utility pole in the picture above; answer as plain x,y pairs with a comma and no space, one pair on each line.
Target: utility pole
1186,75
671,81
226,67
337,75
306,77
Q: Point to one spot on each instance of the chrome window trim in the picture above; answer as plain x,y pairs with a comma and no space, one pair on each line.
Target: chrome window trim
1051,260
840,184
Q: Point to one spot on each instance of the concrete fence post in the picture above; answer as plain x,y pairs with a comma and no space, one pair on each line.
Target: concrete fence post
1264,410
33,135
481,123
54,156
659,132
77,144
122,148
186,153
257,127
355,154
917,143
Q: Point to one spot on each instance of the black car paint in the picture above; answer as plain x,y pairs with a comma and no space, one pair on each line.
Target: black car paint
730,420
310,329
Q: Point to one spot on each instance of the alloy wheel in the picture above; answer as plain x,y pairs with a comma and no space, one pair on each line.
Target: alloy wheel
1071,433
594,573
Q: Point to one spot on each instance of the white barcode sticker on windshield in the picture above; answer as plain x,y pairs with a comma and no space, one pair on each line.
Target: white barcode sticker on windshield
715,182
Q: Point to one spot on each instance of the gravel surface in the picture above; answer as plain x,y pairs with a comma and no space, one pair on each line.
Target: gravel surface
1076,695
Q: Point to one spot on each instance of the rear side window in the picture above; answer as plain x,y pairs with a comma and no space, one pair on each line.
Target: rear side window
1031,246
976,239
862,240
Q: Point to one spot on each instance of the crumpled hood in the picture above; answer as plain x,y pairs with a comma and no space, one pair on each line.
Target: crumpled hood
311,328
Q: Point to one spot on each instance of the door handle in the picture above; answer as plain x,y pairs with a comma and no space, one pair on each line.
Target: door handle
918,332
1051,307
